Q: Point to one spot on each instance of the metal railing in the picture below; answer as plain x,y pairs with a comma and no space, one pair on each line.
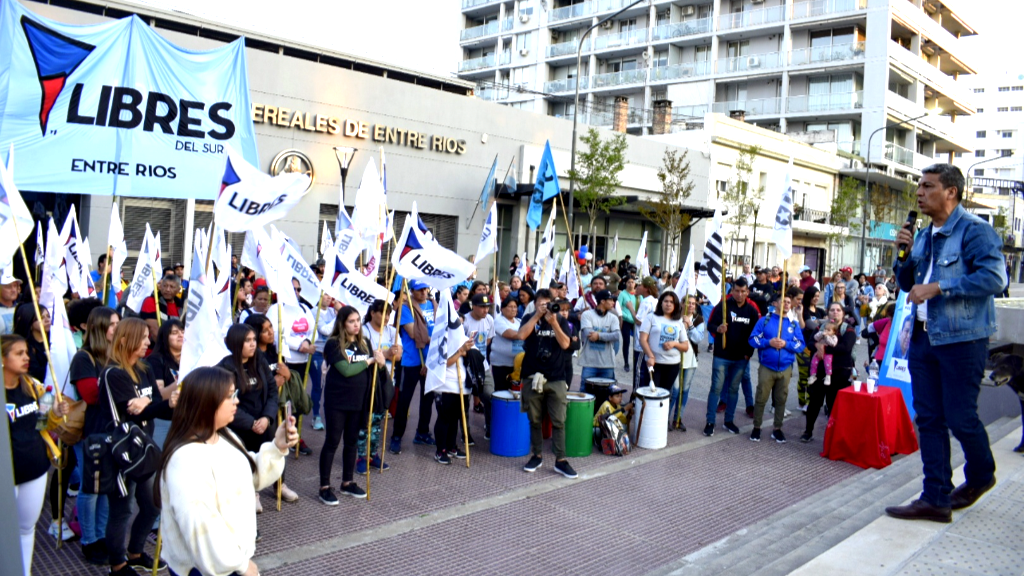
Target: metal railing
506,24
477,63
899,154
812,8
826,102
749,63
480,31
751,18
681,29
622,78
567,48
850,147
681,71
834,53
693,111
505,58
574,11
758,107
620,40
811,215
564,85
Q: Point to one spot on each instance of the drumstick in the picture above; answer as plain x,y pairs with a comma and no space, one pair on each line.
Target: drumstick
640,420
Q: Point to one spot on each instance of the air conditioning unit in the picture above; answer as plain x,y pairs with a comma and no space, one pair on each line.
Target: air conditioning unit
757,1
524,18
753,62
524,51
607,25
689,10
686,72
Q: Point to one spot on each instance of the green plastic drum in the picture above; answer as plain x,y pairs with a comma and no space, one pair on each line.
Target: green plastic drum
579,424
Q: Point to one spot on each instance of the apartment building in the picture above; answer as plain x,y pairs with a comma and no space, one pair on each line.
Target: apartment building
848,67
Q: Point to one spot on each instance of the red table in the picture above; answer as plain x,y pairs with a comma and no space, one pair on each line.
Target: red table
867,429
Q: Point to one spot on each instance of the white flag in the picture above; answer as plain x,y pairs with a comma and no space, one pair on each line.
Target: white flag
248,198
641,258
72,242
142,282
343,283
55,276
521,269
250,253
709,279
782,228
203,346
85,257
615,243
13,212
489,235
62,350
685,286
119,249
298,268
423,259
40,244
370,210
158,262
325,241
447,337
545,256
221,259
568,277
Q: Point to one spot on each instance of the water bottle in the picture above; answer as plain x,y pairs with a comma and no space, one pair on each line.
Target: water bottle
873,370
45,404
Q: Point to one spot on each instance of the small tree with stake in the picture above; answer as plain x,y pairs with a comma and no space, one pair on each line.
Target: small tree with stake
597,175
843,215
676,187
744,197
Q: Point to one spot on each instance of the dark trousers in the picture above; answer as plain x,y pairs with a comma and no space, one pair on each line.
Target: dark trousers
818,394
946,381
65,481
627,335
448,422
121,512
665,375
336,424
501,374
410,379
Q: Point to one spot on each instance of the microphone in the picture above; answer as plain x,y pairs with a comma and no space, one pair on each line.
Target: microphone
912,220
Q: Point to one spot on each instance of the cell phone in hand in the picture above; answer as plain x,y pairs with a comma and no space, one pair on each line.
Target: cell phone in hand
288,411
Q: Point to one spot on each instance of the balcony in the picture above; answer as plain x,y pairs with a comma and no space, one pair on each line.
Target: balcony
567,48
750,64
506,24
621,40
681,71
958,97
564,85
622,78
570,12
692,111
826,102
760,107
681,29
899,154
748,18
801,214
477,63
850,147
821,54
467,4
815,8
479,31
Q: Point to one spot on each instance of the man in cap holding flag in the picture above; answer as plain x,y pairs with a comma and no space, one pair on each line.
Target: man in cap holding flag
416,323
10,289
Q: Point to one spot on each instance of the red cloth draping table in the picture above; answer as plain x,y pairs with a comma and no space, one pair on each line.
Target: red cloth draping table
867,429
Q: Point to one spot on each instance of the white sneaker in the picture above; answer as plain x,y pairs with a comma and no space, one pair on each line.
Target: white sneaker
288,495
786,414
828,379
812,379
68,534
259,505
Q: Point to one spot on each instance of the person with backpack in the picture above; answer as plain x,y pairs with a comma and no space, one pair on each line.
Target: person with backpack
86,365
128,393
28,447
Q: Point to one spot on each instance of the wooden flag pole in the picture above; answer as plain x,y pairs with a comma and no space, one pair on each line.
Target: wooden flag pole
156,298
62,460
107,276
462,408
572,250
391,372
280,360
725,316
156,555
782,308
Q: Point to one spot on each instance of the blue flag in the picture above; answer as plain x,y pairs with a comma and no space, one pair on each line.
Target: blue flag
510,181
544,189
485,194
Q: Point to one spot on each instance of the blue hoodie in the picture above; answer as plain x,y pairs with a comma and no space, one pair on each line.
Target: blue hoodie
768,328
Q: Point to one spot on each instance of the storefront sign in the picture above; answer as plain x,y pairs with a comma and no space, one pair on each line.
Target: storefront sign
379,133
882,230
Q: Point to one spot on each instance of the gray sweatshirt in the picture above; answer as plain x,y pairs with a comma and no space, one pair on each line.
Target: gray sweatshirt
600,354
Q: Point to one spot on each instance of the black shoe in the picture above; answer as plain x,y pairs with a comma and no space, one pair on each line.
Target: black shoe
920,510
709,429
395,447
96,553
806,437
778,436
1020,447
479,408
534,463
303,449
964,496
471,442
442,458
126,570
461,455
145,562
563,468
731,427
626,367
353,490
755,435
327,497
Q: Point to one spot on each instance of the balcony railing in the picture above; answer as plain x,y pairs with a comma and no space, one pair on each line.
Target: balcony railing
567,48
564,85
680,71
506,24
477,63
574,11
621,40
486,93
850,147
759,107
466,4
505,58
834,53
620,78
822,7
480,31
692,111
751,18
826,102
810,215
681,29
899,154
750,63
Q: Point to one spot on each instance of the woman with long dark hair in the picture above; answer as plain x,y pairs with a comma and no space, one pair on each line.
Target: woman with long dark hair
164,358
265,347
663,339
346,393
206,479
842,366
28,327
131,386
381,337
257,395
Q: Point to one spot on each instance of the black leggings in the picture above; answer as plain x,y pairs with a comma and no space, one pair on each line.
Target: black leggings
72,462
665,375
337,423
448,422
410,378
627,334
121,513
820,393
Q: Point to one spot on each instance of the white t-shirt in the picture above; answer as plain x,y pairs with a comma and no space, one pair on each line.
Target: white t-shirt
659,330
374,337
503,350
922,308
646,309
484,331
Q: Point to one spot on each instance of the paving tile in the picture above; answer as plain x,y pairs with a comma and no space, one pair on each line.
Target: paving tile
973,555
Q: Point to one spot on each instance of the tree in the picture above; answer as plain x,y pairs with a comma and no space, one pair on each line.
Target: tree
676,187
843,215
743,198
1000,223
597,175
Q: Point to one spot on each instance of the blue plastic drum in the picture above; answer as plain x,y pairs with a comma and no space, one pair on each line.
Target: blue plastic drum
510,428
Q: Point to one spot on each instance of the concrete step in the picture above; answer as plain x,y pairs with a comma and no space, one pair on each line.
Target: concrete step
785,541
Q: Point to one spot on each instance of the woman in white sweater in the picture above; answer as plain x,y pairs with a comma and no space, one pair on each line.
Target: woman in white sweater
207,481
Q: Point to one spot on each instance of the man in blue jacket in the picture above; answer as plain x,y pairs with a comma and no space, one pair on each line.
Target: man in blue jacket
776,355
951,273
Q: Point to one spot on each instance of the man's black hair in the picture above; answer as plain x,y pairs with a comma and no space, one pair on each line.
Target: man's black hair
950,176
740,282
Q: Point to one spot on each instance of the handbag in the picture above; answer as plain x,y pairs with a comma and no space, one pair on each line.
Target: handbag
69,429
132,451
294,391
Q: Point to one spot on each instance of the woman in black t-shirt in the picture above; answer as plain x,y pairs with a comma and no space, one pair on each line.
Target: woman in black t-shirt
27,444
164,359
27,326
810,315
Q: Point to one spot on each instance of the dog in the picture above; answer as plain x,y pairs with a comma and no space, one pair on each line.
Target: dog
1008,369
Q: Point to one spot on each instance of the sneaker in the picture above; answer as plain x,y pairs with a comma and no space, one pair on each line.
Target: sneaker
303,449
721,406
778,436
361,466
145,562
96,553
709,429
682,427
376,462
487,435
563,468
711,348
258,536
731,427
626,367
534,463
327,497
786,413
478,408
259,505
750,411
828,380
442,458
755,435
461,455
73,490
318,423
126,570
424,439
65,531
287,494
471,441
352,489
395,446
806,437
812,379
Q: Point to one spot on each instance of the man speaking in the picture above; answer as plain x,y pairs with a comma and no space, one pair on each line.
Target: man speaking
951,272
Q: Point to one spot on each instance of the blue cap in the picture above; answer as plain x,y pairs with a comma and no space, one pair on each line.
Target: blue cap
417,285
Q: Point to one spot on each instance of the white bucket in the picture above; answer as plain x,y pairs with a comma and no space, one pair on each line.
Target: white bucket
653,404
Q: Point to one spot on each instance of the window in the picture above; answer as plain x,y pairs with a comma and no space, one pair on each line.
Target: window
1004,88
660,59
1007,134
958,155
1016,108
1016,88
979,153
524,41
979,90
979,171
979,190
1006,152
980,110
1002,109
980,134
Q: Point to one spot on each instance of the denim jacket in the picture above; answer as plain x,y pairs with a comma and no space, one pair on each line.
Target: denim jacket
969,268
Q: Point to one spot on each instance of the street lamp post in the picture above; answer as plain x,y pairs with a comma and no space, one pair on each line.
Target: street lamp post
867,184
576,106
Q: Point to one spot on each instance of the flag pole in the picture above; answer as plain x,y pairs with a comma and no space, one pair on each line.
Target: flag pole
309,360
391,372
280,360
39,315
462,408
491,183
572,250
373,397
156,298
724,314
783,307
